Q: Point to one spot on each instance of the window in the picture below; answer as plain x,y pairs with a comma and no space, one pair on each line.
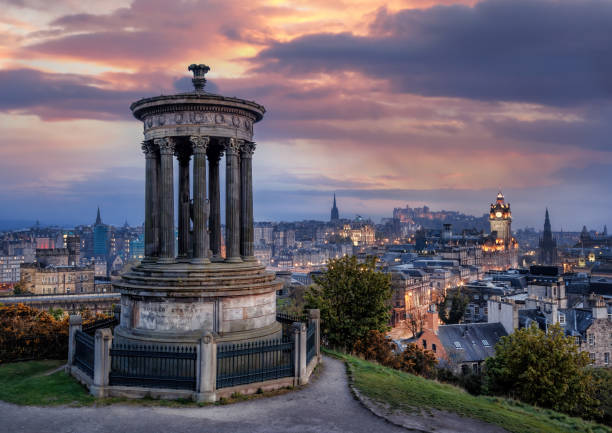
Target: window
485,343
476,311
475,368
424,344
561,318
433,347
607,358
464,369
457,345
577,341
486,311
591,338
592,357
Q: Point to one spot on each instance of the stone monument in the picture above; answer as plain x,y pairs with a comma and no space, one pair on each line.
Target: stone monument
176,297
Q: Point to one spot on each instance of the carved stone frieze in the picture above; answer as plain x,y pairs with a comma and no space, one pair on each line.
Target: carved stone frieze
236,121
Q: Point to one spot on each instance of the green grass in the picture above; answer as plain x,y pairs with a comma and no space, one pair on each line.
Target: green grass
412,394
24,383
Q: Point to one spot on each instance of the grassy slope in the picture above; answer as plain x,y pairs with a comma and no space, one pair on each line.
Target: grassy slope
410,393
24,383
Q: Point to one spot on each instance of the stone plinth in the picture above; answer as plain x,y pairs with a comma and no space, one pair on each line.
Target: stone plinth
177,303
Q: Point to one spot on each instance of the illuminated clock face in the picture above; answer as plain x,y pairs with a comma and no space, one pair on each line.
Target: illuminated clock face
498,214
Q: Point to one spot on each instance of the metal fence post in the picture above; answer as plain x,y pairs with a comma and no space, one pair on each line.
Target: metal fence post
207,369
75,324
102,361
315,316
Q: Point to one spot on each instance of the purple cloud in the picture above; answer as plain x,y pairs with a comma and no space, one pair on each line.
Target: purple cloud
541,51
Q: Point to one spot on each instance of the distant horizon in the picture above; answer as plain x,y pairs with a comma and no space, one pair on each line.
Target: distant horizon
18,224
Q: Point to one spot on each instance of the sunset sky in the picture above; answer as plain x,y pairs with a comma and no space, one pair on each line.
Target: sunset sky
385,103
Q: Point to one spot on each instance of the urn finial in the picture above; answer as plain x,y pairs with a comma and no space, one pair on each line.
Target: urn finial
199,72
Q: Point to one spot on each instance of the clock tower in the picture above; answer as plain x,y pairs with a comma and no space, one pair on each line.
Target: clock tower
500,219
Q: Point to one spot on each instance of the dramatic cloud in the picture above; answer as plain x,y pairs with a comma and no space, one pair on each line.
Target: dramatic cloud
61,96
542,51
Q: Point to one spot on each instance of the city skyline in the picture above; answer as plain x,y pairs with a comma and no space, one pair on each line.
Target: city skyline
369,102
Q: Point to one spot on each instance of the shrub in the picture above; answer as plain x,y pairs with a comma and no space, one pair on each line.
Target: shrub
375,347
414,359
27,333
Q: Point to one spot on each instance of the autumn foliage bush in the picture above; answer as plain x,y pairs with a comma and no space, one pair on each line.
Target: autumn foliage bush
414,359
27,333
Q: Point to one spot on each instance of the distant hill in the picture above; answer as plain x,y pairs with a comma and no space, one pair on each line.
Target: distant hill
15,224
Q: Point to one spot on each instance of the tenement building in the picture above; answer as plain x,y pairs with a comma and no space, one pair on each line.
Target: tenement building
177,296
56,271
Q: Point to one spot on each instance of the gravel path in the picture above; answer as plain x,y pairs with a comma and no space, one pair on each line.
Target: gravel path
326,405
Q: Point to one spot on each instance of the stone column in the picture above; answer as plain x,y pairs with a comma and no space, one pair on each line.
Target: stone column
232,202
151,202
207,377
246,201
200,204
102,344
214,195
75,324
166,182
315,317
184,196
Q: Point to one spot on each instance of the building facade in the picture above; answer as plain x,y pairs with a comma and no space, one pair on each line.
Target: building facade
53,280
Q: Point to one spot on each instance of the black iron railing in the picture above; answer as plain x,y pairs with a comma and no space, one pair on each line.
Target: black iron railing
311,343
290,318
154,366
84,352
239,364
100,324
287,320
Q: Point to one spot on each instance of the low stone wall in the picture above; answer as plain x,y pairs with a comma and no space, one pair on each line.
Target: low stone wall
206,371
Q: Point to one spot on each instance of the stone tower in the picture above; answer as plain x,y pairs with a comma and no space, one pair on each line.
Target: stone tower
500,219
175,297
548,244
334,211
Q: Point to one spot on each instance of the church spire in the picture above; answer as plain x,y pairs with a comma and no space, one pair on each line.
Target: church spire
98,218
548,244
334,211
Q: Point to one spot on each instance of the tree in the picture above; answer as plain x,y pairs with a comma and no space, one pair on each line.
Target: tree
543,368
603,393
353,297
458,304
415,320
